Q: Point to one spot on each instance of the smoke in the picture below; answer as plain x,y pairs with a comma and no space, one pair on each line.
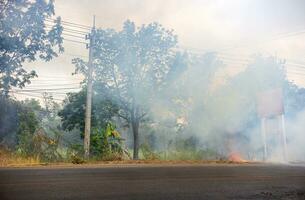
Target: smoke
200,101
222,116
296,137
200,105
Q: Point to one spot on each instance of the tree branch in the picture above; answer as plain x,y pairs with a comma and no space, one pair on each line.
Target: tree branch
141,116
124,117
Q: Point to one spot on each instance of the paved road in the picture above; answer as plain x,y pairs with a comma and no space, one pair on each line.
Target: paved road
154,182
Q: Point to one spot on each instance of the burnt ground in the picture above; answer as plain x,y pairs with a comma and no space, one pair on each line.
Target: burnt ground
145,182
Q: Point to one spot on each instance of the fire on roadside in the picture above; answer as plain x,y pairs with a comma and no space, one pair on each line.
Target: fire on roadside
236,157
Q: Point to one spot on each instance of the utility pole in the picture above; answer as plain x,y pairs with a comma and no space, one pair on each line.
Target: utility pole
91,37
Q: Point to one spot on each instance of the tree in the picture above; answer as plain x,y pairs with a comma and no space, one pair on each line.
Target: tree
73,112
133,65
103,111
18,120
294,96
8,121
25,36
27,125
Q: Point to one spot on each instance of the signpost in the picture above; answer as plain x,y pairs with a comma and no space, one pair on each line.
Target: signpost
270,105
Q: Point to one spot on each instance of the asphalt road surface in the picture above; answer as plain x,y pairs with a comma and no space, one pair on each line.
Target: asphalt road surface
147,182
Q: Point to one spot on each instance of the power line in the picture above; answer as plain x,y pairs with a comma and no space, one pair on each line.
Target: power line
47,84
290,69
67,30
36,92
229,59
295,72
243,61
77,25
59,77
47,89
275,37
302,62
63,95
72,30
72,24
295,67
36,96
76,31
64,78
72,35
79,56
74,41
58,81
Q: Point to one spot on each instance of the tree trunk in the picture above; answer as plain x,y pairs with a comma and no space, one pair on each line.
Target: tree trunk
135,130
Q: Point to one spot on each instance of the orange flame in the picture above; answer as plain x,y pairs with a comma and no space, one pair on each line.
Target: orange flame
235,157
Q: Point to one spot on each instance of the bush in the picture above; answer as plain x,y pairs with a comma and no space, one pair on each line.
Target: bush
148,153
188,148
40,146
106,143
27,126
75,153
192,155
77,159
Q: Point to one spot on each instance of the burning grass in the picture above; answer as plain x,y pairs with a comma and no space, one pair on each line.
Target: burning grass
10,159
170,162
236,158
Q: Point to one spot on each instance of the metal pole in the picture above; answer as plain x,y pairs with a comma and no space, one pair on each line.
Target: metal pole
284,140
89,94
263,130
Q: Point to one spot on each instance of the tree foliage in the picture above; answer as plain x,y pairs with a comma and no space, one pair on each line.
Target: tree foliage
17,119
73,112
24,37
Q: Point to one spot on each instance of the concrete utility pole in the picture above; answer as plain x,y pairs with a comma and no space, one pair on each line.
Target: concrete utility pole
283,137
89,92
263,131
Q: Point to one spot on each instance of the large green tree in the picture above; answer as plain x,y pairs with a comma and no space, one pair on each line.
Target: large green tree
133,64
73,112
24,37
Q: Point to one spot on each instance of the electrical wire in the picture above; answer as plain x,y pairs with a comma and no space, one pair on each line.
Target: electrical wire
71,24
74,41
36,96
72,30
49,89
234,46
72,35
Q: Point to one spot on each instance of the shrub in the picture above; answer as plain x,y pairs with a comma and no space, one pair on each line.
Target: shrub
75,153
106,143
148,153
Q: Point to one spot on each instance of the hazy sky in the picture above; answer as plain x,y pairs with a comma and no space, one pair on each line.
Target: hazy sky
235,28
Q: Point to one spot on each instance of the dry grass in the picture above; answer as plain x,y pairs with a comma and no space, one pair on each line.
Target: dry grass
8,159
167,162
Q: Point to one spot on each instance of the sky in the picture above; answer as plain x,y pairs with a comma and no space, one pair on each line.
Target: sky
235,29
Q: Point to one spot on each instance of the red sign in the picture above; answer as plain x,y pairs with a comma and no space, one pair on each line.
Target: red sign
270,103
